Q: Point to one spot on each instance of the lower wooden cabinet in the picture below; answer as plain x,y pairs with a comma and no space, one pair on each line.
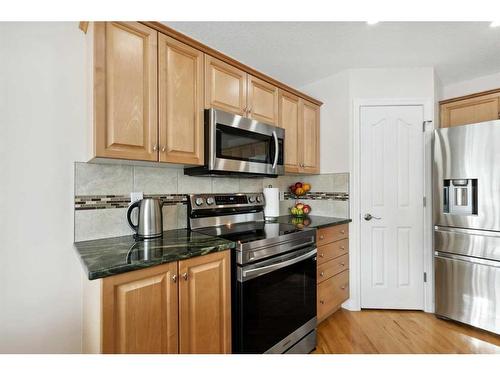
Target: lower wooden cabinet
178,307
333,269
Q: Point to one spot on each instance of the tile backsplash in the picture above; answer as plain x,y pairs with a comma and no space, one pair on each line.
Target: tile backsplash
102,193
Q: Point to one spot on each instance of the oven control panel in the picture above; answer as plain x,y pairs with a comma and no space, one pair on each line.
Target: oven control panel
204,201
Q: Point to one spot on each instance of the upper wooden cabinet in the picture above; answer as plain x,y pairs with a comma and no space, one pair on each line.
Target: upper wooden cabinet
180,102
205,304
125,91
262,101
300,119
309,137
225,87
140,311
470,109
289,119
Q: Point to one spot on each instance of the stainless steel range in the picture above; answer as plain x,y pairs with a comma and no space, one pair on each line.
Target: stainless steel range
273,273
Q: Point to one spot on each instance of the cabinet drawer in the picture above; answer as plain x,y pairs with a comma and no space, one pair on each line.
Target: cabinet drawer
331,234
332,250
331,293
332,267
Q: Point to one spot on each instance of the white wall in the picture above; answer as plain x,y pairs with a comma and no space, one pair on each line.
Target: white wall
334,92
471,86
42,106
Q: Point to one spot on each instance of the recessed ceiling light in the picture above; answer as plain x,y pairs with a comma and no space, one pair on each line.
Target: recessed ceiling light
495,24
372,22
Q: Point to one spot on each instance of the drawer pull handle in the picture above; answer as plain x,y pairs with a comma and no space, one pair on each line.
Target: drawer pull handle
321,237
322,274
322,302
321,255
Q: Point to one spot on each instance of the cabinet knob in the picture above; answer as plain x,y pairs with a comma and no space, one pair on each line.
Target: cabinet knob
185,276
155,147
343,287
322,274
342,264
342,247
321,237
342,231
174,278
163,148
322,302
321,255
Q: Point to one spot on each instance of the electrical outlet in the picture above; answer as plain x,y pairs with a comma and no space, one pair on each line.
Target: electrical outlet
136,196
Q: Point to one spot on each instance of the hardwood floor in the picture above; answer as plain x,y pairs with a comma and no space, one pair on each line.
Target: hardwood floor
392,332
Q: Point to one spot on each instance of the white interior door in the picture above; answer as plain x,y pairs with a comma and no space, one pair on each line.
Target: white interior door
391,180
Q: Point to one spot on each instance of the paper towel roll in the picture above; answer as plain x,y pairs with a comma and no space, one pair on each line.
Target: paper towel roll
272,196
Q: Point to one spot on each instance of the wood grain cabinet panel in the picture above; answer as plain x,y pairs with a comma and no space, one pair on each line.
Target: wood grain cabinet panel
331,294
332,250
225,87
470,110
180,102
289,120
333,233
140,311
262,101
309,137
332,267
125,91
205,304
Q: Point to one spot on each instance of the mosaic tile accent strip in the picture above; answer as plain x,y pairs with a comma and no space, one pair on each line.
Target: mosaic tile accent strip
99,202
318,196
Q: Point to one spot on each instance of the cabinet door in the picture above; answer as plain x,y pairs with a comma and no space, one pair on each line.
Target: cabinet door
309,137
180,102
125,91
262,101
225,86
289,120
470,111
140,311
205,304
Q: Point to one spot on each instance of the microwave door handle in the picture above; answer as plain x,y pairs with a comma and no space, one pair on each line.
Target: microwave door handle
276,149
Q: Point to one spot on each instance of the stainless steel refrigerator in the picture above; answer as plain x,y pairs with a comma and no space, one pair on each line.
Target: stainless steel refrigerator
467,224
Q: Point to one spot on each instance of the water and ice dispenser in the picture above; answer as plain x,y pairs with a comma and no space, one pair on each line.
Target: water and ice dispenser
460,196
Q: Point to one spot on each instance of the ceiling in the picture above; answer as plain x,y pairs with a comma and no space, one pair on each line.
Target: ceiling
298,53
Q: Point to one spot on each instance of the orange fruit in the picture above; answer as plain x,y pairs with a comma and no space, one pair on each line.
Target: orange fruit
306,187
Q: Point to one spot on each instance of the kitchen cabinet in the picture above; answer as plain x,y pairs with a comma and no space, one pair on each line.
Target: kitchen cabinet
262,101
180,102
233,90
470,109
140,311
125,91
332,269
205,304
178,307
300,119
225,87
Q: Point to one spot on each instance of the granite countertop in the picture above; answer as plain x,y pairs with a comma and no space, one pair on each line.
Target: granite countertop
312,221
111,256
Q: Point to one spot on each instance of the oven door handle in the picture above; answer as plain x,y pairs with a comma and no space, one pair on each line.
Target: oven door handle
255,272
276,149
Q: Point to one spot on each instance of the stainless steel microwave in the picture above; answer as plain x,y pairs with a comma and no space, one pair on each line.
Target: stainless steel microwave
236,145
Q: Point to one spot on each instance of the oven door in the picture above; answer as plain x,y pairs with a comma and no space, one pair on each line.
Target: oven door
276,302
241,145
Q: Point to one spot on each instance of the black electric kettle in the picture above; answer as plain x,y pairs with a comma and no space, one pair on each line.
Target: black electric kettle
149,218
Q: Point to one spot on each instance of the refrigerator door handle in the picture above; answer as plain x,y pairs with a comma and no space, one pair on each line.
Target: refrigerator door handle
484,262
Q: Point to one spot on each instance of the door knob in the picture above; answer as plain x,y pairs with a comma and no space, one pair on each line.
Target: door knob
368,217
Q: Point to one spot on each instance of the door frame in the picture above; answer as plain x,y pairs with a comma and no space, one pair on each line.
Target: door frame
354,303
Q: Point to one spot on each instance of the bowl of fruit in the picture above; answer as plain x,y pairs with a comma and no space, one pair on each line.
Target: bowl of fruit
300,188
300,210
